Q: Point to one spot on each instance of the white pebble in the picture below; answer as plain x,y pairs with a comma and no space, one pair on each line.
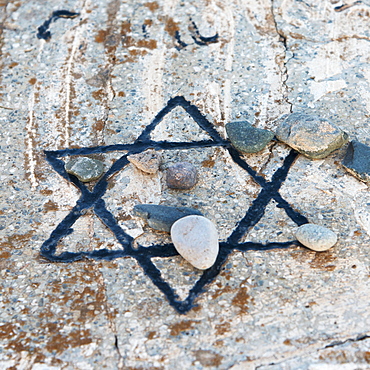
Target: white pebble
196,240
318,238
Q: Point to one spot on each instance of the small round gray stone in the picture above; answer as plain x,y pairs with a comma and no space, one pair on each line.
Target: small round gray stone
246,138
196,240
315,237
85,169
182,175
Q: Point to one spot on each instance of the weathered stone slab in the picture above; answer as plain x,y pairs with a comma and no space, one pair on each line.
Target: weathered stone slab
357,160
100,80
310,135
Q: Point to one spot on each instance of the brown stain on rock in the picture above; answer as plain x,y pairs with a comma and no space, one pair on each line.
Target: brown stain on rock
208,358
123,216
32,80
335,356
17,241
323,261
152,6
171,27
242,300
219,292
125,28
208,163
5,254
59,342
148,22
365,355
151,334
13,64
7,330
219,343
98,125
99,94
344,357
74,294
182,326
148,44
100,37
316,260
223,328
50,206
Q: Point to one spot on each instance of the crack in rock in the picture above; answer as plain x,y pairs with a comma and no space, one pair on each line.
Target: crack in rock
286,59
359,338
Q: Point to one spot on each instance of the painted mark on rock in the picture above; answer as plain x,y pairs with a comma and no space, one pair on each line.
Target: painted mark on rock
343,7
198,38
43,31
144,255
172,28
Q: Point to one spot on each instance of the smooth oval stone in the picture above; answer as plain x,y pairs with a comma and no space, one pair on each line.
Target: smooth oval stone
318,238
161,217
182,175
357,160
147,161
85,169
310,135
247,138
196,240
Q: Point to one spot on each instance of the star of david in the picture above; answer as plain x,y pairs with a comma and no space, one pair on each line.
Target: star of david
144,255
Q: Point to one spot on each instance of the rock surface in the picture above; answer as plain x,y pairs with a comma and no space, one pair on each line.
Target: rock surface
147,161
196,239
357,160
85,169
182,175
315,237
246,138
160,217
310,135
67,316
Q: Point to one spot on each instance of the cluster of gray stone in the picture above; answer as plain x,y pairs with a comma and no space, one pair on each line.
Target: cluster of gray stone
315,138
194,236
310,135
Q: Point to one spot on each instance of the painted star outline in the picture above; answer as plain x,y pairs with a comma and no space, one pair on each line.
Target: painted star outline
143,255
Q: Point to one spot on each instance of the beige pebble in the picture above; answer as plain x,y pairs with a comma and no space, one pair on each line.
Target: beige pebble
147,161
318,238
196,240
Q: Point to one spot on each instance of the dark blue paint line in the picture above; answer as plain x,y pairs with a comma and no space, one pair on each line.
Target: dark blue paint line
198,38
179,44
43,31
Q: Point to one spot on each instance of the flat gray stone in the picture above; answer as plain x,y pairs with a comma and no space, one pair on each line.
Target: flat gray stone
147,161
85,169
160,217
182,176
247,138
310,135
357,160
196,240
315,237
